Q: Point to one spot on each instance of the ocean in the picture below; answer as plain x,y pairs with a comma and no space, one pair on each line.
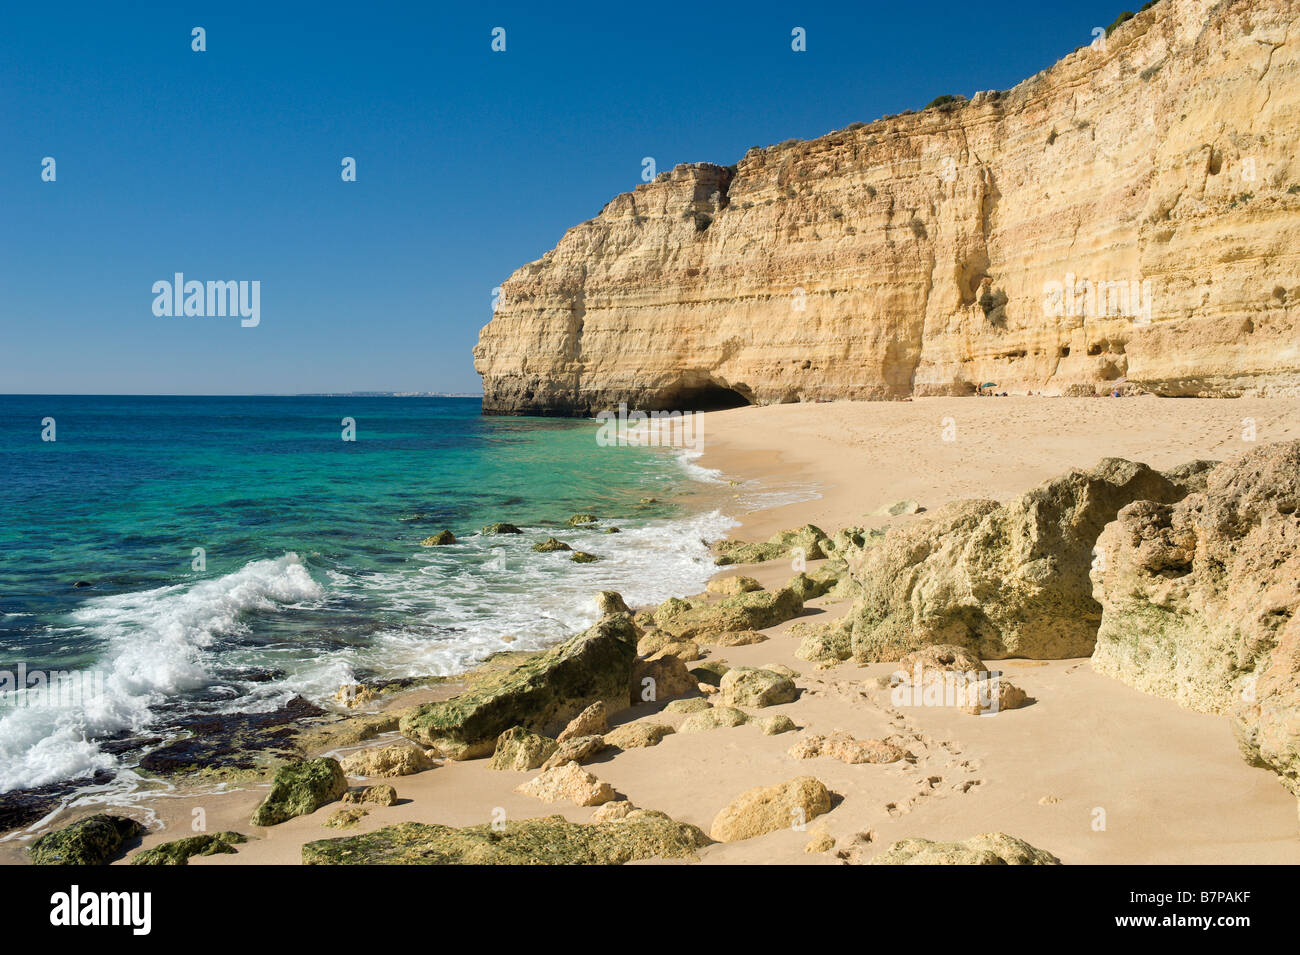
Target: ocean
225,554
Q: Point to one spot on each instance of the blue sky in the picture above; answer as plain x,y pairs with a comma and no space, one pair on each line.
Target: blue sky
225,164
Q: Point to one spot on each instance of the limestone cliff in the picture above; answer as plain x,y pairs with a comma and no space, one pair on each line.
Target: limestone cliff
1131,212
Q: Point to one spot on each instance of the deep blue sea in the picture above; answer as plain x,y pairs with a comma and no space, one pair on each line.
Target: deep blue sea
310,573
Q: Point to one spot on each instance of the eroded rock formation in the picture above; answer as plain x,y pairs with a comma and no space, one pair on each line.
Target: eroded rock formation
1131,212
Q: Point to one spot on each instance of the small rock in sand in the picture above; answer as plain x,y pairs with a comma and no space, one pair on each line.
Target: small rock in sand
570,782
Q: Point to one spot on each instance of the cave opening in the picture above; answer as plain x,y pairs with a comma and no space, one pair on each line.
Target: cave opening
705,396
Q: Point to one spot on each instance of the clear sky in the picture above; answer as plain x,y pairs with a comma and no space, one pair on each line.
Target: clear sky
225,164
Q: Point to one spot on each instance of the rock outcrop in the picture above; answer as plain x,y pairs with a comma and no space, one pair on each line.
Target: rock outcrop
94,840
300,788
765,809
1128,213
640,834
991,848
999,580
540,694
1200,597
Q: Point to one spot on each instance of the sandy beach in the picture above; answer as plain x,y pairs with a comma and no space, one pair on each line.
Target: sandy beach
1093,771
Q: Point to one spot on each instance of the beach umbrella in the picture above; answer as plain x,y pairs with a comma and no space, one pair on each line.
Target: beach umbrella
989,384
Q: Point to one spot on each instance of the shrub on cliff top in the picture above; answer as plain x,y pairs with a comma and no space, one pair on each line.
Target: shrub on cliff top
1123,18
947,99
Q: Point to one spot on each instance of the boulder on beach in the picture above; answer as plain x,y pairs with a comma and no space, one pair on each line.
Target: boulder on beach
578,749
661,678
753,686
775,725
991,848
95,840
732,638
379,795
756,610
519,750
440,539
826,643
710,672
688,651
593,721
396,760
787,805
611,601
639,834
300,788
1199,602
637,735
541,694
1002,580
729,586
346,818
570,783
806,541
180,851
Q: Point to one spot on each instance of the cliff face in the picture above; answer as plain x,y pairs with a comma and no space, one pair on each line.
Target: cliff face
1132,212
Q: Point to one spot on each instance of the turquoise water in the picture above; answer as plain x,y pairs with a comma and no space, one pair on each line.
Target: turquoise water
312,572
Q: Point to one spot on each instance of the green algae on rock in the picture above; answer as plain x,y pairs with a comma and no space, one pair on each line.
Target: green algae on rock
582,557
808,539
991,848
756,610
550,545
440,539
301,788
544,691
641,834
500,527
579,520
94,840
179,851
519,750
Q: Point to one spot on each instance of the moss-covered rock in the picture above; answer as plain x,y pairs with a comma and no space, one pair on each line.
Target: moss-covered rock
500,527
729,586
748,611
641,834
816,584
380,795
549,545
579,520
346,817
440,539
991,848
94,840
582,557
824,643
542,693
611,601
808,539
179,851
301,788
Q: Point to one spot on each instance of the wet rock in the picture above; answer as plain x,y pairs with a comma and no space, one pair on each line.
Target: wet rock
579,520
611,601
20,808
95,840
543,692
550,545
501,527
440,539
582,557
641,834
301,788
234,741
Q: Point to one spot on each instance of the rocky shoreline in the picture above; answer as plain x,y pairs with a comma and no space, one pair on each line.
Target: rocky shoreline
1182,583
